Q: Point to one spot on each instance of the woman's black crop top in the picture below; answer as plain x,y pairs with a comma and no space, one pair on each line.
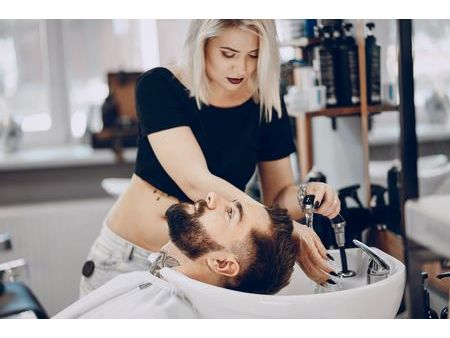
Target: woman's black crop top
232,139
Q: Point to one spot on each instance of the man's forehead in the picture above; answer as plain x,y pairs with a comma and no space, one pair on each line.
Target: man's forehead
258,218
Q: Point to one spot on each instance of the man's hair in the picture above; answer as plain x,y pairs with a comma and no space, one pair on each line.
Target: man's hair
272,259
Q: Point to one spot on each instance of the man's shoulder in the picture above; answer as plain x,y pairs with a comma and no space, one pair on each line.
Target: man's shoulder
137,294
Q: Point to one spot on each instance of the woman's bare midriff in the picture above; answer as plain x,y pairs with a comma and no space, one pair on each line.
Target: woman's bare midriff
138,215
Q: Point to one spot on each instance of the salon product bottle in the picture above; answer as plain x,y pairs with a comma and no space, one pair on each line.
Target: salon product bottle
327,66
429,313
373,64
303,72
315,56
342,71
310,24
444,312
394,187
318,32
353,65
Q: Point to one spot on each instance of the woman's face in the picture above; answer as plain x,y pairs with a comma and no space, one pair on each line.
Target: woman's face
231,59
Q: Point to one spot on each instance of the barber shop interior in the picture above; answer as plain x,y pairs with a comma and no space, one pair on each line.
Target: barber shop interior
224,168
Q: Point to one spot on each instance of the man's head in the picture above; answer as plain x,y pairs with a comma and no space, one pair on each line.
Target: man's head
248,246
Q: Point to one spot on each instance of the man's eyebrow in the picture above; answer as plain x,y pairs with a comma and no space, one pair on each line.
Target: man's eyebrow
239,207
236,51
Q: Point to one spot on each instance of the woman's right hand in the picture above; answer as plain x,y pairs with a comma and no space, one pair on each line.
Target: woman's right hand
312,256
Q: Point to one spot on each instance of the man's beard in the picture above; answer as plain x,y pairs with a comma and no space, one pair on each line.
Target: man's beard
186,231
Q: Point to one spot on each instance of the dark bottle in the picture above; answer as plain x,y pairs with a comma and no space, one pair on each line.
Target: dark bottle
310,25
327,66
342,70
353,64
429,313
346,60
373,64
318,32
394,187
444,312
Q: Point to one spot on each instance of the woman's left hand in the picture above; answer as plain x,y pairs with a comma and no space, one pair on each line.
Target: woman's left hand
312,257
326,200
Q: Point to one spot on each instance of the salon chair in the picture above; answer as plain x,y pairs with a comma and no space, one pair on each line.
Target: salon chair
16,299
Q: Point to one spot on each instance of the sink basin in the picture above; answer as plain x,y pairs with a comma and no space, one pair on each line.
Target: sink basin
433,170
302,298
351,297
115,186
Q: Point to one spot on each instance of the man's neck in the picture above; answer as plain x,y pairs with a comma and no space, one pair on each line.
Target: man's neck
175,253
192,269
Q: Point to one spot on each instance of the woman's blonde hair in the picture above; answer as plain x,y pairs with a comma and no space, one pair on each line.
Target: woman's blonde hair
266,80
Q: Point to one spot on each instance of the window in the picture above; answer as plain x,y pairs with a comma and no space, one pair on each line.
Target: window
53,73
23,81
432,71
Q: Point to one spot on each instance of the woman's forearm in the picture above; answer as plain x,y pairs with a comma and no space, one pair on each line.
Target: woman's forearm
287,199
210,183
204,184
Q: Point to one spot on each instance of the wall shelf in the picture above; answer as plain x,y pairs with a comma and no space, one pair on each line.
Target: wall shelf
351,111
304,119
301,42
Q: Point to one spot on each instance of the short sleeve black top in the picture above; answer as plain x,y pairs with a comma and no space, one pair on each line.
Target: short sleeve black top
232,139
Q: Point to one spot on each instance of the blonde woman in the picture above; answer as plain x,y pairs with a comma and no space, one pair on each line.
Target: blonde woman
206,125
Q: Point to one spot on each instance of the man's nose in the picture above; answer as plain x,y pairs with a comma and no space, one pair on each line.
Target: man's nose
211,200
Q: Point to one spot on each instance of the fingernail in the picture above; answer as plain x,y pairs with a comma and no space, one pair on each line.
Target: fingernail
334,274
316,204
330,257
330,281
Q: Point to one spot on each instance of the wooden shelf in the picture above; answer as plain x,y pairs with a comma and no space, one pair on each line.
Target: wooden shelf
301,42
348,111
304,119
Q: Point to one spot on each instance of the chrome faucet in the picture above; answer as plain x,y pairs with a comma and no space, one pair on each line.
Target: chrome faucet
9,270
338,224
378,269
5,242
308,205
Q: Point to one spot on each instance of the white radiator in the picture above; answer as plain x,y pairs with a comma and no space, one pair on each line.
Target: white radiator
54,238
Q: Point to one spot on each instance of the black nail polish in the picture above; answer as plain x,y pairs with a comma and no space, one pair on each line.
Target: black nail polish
316,204
330,257
334,274
330,281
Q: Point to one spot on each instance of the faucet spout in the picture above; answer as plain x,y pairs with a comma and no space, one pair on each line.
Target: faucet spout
338,224
308,204
378,269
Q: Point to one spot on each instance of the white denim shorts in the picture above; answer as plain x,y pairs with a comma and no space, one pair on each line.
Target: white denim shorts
110,256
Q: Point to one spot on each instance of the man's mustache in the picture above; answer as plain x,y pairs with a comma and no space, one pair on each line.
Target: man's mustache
180,211
200,207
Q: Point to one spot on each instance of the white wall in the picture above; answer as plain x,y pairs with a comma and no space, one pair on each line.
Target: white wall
339,153
171,35
54,239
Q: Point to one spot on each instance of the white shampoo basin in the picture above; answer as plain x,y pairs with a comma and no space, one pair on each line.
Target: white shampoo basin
351,298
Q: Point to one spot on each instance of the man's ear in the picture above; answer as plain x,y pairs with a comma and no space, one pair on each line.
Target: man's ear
223,264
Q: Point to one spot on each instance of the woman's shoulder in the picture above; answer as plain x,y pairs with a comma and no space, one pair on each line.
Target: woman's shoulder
162,82
156,75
